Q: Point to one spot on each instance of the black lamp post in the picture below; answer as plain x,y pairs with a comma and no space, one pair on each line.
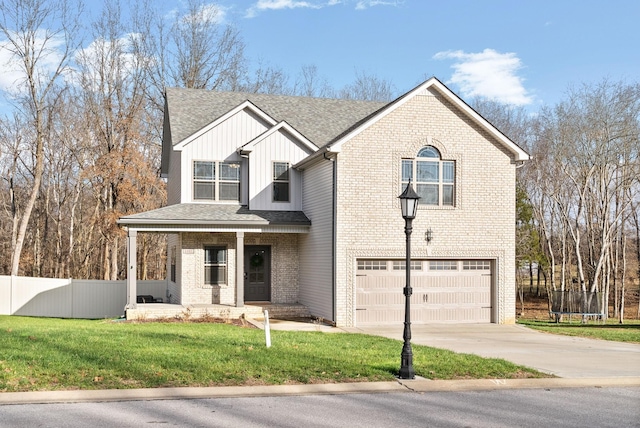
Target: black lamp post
409,204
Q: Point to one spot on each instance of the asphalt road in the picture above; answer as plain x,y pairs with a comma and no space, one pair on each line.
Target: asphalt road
562,407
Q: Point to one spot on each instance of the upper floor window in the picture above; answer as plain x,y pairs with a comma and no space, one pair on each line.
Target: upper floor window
216,181
281,182
432,177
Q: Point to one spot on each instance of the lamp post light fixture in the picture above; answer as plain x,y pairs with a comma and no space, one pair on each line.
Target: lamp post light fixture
409,205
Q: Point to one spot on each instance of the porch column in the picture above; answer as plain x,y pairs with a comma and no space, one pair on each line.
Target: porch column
239,269
132,291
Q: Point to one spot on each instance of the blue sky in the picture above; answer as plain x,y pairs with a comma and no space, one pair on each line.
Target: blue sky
520,52
516,51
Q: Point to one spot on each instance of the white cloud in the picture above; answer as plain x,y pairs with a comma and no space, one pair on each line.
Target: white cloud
365,4
264,5
103,53
48,50
489,74
10,70
211,12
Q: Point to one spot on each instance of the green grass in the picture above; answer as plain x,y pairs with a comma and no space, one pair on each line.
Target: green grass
611,330
52,354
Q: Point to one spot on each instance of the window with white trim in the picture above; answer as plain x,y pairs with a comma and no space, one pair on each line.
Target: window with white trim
173,264
476,265
372,265
402,265
281,182
215,265
216,181
443,265
433,178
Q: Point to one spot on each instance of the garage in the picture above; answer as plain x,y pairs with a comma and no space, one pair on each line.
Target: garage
443,291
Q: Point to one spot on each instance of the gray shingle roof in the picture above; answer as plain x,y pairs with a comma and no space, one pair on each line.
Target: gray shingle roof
216,214
319,119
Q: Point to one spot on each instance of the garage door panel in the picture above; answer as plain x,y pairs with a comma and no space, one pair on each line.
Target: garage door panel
445,314
376,282
438,296
381,315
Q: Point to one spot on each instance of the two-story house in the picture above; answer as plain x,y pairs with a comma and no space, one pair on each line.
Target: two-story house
294,200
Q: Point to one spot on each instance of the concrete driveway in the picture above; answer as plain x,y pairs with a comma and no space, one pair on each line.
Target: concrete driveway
563,356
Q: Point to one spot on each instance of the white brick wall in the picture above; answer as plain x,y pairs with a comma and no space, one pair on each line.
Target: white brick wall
481,225
284,267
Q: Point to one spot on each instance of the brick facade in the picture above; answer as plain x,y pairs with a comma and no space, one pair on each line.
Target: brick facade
284,267
480,225
364,145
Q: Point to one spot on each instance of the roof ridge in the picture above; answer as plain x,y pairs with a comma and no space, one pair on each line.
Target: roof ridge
318,119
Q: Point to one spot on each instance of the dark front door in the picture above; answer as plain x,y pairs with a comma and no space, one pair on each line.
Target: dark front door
257,273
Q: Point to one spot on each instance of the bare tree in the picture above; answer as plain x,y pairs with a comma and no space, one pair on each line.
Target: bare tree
193,49
585,163
368,87
40,38
113,84
310,84
265,80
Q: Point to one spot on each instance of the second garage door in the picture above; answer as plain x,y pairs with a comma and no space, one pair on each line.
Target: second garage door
443,291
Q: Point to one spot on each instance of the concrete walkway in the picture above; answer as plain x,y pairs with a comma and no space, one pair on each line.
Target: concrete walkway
563,356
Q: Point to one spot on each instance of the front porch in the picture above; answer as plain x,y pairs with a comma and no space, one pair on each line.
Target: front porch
160,311
207,274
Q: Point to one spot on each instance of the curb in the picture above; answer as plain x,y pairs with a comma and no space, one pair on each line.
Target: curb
419,385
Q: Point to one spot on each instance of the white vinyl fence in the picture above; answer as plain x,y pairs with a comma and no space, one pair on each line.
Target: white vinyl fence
69,298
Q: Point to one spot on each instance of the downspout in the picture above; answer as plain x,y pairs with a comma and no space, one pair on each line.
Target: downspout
333,236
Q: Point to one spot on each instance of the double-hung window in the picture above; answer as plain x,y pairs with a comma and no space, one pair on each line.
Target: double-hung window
281,182
215,265
216,181
432,177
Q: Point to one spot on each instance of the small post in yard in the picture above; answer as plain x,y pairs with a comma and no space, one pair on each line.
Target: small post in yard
267,329
409,205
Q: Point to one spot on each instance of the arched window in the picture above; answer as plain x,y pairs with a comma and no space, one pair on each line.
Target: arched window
432,178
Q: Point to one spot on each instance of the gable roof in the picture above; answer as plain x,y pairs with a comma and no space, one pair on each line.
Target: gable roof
280,127
320,120
431,85
178,145
327,123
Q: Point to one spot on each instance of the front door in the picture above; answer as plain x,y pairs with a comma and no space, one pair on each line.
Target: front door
257,273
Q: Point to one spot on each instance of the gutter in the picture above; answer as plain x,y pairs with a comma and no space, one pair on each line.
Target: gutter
209,223
324,152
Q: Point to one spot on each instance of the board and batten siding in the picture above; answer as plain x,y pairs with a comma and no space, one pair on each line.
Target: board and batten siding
174,194
277,147
316,247
218,144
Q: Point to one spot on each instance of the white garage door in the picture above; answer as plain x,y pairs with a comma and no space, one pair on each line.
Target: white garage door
443,291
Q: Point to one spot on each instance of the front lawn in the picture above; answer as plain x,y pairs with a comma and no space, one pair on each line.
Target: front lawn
53,354
611,330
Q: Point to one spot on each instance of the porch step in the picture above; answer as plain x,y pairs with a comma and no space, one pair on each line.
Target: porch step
285,311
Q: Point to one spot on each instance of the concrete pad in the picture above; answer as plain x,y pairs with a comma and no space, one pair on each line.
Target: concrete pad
563,356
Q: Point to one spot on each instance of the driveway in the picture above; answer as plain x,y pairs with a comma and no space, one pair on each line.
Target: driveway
563,356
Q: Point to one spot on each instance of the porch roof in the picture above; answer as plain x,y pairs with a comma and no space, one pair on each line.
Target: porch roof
215,215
